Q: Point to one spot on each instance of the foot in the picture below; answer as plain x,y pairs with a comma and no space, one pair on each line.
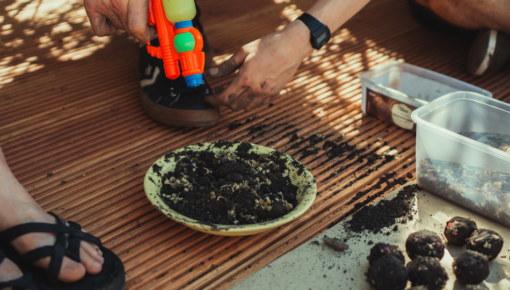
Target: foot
18,207
489,52
9,272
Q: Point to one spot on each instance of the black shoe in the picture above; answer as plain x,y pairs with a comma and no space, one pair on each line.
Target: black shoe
172,102
489,52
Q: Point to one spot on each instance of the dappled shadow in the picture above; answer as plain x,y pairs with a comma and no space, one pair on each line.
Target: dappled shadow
36,33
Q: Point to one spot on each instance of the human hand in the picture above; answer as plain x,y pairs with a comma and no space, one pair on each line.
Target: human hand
265,66
106,16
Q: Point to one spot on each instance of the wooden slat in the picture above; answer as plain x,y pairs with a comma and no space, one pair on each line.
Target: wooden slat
75,135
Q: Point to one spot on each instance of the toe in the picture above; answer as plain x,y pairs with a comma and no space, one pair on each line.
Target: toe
9,271
70,271
93,251
91,264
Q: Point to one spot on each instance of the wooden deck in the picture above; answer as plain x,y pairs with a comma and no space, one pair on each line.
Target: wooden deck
75,134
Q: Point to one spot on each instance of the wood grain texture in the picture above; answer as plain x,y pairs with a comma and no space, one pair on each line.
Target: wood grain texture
75,134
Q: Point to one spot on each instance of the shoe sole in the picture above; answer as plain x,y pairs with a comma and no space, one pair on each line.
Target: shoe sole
180,117
489,52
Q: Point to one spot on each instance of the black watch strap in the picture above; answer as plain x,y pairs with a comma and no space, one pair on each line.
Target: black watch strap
316,28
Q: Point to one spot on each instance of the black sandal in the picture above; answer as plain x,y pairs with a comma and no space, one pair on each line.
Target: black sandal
25,282
69,234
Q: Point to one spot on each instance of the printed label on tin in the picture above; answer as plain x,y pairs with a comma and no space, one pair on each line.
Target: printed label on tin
389,109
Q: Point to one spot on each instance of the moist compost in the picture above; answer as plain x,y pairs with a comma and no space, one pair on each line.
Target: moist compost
481,189
385,213
428,272
230,188
424,243
380,250
471,267
458,229
487,242
387,273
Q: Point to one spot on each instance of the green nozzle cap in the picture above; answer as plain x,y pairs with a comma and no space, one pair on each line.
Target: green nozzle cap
184,42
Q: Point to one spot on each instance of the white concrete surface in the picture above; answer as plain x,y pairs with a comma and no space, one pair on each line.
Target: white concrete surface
318,267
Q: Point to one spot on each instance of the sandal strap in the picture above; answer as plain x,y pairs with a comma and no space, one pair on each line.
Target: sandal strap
68,240
73,230
43,252
25,282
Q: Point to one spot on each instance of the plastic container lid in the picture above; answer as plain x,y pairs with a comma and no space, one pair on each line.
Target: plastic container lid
466,111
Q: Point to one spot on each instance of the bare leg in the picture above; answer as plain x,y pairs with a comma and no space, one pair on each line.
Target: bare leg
473,14
17,207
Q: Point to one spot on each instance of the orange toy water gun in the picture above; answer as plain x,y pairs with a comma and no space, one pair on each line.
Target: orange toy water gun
179,41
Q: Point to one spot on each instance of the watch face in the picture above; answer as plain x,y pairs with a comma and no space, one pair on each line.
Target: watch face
322,38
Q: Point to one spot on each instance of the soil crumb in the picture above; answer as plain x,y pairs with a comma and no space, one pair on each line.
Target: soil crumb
385,214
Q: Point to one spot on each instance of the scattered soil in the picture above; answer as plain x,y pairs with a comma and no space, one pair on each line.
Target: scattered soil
385,214
487,242
458,229
230,188
236,124
424,243
427,271
471,267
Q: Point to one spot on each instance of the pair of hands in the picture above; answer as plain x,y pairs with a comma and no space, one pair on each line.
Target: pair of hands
265,65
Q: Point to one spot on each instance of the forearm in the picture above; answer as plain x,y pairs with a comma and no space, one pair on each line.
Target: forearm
333,13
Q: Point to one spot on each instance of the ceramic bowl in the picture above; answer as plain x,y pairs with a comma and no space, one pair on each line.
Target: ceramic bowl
153,182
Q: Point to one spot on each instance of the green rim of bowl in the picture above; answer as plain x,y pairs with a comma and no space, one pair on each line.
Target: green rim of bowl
307,190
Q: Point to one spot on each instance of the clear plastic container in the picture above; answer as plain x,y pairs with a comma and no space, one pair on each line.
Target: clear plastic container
392,90
462,152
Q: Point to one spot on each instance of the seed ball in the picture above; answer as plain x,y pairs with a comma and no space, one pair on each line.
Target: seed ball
458,229
477,287
424,243
426,271
382,250
387,273
485,241
471,267
420,287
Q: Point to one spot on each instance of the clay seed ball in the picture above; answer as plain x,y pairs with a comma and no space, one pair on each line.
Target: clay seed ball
426,271
485,241
420,287
387,273
477,287
458,229
424,243
471,267
382,250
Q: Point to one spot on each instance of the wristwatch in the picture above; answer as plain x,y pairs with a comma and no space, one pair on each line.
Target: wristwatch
320,33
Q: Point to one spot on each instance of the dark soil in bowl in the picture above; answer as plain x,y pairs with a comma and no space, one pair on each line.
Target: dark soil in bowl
230,188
